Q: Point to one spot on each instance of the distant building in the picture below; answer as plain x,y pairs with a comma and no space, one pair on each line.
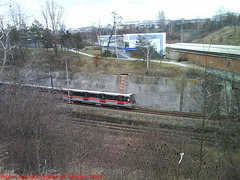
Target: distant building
213,56
148,24
128,41
154,24
82,29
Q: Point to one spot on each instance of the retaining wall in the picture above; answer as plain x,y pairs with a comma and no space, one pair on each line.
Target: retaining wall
151,92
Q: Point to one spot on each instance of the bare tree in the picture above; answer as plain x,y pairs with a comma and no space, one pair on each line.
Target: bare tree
217,126
17,15
31,125
12,19
116,21
161,19
98,31
5,43
53,17
147,48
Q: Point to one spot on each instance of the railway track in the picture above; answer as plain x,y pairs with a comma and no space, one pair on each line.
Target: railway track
169,113
164,128
113,126
193,136
190,122
181,114
149,111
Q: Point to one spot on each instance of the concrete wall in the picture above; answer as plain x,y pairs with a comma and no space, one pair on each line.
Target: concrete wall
151,92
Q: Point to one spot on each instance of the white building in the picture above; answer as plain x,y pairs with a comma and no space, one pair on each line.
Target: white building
128,41
156,39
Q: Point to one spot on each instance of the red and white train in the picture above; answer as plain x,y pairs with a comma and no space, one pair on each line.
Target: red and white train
99,97
84,96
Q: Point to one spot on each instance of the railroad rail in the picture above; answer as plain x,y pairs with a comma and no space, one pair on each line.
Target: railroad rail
150,111
181,114
162,127
169,113
141,129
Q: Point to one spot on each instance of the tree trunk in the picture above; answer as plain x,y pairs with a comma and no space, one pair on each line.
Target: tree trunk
110,37
55,48
147,61
4,54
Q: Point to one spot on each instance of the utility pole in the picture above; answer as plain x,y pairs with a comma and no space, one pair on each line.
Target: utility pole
181,30
67,59
116,50
51,79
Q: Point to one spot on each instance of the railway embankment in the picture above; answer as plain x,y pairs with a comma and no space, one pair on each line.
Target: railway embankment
138,118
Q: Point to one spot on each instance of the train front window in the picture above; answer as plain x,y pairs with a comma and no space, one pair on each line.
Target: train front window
133,100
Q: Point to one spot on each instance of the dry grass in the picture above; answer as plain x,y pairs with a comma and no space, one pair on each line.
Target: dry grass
225,36
73,148
126,155
116,67
69,147
46,61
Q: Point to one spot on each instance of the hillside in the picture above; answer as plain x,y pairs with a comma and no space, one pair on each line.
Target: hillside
229,35
46,61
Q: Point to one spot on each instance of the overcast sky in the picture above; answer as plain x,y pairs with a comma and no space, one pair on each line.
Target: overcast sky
80,13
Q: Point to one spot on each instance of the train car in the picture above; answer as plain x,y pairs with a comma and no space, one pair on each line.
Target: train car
84,96
99,97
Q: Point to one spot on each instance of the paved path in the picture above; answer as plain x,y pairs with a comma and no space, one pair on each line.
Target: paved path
156,61
85,54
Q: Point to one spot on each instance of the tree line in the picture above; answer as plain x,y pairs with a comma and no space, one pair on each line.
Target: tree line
203,27
196,28
36,36
15,33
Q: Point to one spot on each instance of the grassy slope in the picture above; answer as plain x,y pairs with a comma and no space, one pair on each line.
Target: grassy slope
84,64
225,36
46,61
